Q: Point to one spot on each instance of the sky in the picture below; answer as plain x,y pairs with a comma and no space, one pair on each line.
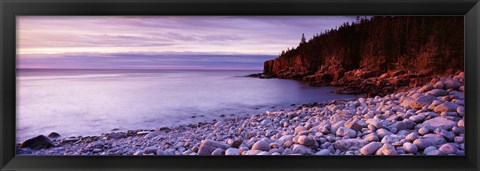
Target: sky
158,42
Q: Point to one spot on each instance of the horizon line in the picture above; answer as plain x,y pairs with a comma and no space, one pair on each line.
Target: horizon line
225,69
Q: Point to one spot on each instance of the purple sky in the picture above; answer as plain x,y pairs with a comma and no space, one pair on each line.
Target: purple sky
237,42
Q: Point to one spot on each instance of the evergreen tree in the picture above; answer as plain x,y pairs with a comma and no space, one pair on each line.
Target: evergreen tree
303,39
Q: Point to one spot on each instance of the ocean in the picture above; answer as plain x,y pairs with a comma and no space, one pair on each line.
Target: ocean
90,102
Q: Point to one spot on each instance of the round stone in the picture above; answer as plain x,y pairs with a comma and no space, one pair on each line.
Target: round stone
261,145
410,148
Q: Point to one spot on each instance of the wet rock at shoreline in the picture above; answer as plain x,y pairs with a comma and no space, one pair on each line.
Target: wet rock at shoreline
38,142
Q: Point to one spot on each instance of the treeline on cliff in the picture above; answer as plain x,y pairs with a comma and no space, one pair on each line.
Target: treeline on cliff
381,43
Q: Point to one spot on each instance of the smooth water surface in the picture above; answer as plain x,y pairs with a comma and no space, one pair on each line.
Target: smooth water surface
91,102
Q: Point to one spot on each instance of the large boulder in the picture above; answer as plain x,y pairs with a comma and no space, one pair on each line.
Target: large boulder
38,142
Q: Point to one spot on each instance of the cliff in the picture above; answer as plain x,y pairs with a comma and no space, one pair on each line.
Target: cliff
377,55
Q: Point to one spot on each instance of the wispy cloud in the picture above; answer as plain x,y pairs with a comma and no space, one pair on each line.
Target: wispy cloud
54,37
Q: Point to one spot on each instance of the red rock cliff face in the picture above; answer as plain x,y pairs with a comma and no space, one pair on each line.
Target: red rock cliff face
289,68
404,49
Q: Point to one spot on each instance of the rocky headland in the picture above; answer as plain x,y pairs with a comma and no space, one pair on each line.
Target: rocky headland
376,56
424,120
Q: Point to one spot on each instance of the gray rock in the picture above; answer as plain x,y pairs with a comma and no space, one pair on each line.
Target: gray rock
446,107
448,149
438,122
232,152
263,153
382,133
432,136
459,139
422,101
449,136
374,122
217,152
323,152
437,92
371,137
252,152
370,148
435,153
424,143
38,142
353,125
342,131
410,148
306,140
428,149
425,88
116,135
457,130
235,142
461,123
388,149
400,125
261,145
287,151
150,150
451,83
154,134
388,139
138,153
417,118
162,153
423,131
350,144
337,125
53,135
301,149
300,129
412,136
208,146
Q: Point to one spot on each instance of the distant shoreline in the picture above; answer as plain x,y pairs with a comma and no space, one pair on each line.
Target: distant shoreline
125,69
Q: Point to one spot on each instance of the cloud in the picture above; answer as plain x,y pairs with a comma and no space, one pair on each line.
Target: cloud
54,37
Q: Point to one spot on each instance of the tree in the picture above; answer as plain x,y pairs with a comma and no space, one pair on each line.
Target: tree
303,39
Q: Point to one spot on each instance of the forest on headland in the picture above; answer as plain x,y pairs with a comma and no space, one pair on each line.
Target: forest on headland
376,55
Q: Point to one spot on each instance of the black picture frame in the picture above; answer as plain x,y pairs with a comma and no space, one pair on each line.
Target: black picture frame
470,9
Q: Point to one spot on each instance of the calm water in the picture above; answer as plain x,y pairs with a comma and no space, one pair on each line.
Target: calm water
91,102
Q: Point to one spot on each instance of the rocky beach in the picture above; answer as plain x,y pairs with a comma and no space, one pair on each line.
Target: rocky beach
425,119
